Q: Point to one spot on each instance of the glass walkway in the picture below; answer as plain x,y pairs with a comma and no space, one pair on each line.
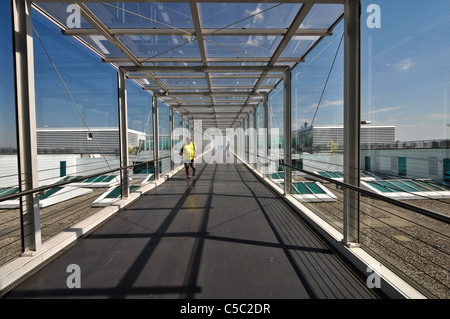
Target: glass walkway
320,133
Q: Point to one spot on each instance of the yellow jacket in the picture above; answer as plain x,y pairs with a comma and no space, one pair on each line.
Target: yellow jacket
188,150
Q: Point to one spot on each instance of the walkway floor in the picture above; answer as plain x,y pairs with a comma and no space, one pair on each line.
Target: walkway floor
224,234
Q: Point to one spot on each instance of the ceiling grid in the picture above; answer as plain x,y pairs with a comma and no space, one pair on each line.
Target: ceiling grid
209,60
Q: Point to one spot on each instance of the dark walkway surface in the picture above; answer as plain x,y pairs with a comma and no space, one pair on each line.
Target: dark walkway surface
224,234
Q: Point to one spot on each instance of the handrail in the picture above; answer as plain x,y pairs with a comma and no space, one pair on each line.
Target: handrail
75,180
417,209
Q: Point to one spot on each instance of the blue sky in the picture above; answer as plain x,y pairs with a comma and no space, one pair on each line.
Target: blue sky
405,76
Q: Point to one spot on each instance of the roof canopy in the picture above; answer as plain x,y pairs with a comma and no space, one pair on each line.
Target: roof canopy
209,60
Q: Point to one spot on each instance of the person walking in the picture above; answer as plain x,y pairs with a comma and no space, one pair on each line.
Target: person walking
189,153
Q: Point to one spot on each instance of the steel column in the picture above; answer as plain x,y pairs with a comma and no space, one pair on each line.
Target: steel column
287,132
255,140
247,138
172,155
26,124
266,127
155,119
352,118
123,132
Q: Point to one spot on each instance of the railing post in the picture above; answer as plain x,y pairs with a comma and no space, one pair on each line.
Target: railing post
26,124
287,132
352,118
123,133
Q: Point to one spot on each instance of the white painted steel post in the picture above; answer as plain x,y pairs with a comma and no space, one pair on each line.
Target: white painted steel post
287,132
172,155
155,119
26,124
266,127
123,133
247,138
255,140
352,118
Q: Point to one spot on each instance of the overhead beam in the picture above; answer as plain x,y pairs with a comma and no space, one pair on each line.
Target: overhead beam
202,76
147,61
210,94
202,32
210,106
210,113
200,41
204,1
172,89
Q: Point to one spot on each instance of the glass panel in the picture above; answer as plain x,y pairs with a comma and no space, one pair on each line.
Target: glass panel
161,46
379,187
276,127
10,244
322,16
240,46
404,186
315,188
233,82
184,82
299,45
317,111
66,14
143,15
103,46
140,134
76,123
404,95
303,189
317,102
402,166
446,169
247,15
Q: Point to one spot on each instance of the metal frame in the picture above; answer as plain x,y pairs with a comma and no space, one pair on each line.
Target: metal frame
287,96
255,140
203,32
233,68
207,1
265,106
171,126
352,118
123,133
268,67
155,120
26,124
